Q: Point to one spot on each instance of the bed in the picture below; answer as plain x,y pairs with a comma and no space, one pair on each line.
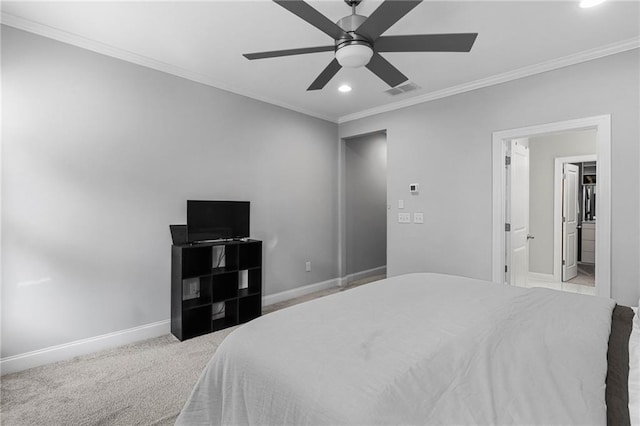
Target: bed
423,349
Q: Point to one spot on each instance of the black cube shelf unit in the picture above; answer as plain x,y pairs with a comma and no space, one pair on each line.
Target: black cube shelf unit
214,286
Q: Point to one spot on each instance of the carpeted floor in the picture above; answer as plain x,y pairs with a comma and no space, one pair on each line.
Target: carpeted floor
145,383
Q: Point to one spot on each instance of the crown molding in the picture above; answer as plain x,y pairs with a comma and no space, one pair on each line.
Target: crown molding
104,49
577,58
125,55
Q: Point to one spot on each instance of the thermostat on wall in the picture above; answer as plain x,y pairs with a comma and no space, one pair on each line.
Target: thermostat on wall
413,188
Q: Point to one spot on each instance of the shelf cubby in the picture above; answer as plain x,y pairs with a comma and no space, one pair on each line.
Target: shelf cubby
226,286
255,280
196,261
249,307
231,257
250,256
203,296
230,316
196,321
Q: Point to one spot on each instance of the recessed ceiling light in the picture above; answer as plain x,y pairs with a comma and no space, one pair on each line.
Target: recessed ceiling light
344,88
590,3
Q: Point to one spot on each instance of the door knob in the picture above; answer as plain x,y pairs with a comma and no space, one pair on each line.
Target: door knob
530,237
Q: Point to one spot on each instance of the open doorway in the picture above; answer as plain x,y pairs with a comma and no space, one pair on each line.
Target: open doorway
544,243
562,211
364,189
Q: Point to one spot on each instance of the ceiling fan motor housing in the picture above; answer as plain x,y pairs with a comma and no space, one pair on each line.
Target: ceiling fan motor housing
350,24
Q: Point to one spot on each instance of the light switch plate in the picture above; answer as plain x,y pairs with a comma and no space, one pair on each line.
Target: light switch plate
404,217
418,217
401,204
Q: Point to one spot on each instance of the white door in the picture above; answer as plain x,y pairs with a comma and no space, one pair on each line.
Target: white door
518,214
570,212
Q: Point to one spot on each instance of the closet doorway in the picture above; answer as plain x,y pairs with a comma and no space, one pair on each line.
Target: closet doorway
575,180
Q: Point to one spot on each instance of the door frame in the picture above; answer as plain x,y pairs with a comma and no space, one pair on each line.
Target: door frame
343,277
602,125
557,209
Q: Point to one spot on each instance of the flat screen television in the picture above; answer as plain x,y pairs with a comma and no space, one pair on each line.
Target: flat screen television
214,220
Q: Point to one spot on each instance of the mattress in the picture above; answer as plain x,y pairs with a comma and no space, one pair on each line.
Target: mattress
414,349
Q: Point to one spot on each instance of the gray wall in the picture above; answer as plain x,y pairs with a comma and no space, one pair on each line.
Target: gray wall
543,151
366,202
445,145
99,157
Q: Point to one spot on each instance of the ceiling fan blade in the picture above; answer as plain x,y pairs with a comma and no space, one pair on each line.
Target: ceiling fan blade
288,52
306,12
426,43
387,72
387,14
326,75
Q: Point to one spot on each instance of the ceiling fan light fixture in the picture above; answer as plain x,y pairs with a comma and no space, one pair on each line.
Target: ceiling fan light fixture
344,88
354,55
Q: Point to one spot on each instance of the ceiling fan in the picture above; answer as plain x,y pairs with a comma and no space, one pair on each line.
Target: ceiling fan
359,40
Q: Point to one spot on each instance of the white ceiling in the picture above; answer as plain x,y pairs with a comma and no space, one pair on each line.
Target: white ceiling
204,41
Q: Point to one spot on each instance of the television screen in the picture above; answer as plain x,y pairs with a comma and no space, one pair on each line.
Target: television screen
214,220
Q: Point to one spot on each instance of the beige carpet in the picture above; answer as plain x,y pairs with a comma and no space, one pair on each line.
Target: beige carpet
145,383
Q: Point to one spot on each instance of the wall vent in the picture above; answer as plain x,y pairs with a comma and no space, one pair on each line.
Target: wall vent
409,87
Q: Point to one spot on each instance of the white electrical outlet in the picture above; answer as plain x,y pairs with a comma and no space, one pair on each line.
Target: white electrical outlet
308,266
418,217
404,217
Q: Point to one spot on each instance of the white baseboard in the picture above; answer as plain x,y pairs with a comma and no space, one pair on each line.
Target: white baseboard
299,291
311,288
542,277
65,351
364,274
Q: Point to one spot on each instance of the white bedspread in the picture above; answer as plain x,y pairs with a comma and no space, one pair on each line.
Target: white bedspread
414,349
